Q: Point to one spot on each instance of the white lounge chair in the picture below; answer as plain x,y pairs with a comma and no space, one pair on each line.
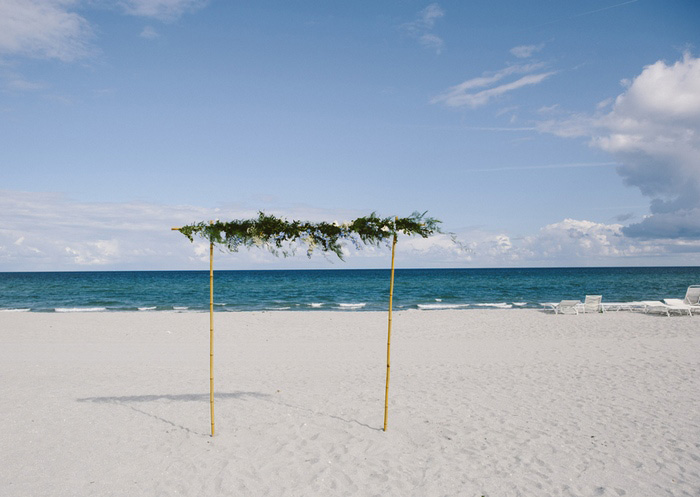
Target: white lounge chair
687,304
692,298
622,306
692,295
550,306
655,306
681,305
663,308
593,304
567,307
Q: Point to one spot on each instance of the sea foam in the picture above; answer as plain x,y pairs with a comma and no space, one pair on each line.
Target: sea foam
441,306
358,305
80,309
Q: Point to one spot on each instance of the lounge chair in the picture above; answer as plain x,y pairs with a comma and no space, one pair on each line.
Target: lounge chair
621,306
687,304
593,304
655,306
680,304
663,308
692,297
550,306
567,307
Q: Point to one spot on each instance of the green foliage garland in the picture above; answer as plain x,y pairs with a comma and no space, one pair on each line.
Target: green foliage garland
275,233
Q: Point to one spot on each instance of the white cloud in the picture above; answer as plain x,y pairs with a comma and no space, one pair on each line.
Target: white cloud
57,233
94,253
653,131
430,14
40,231
18,83
601,244
163,10
149,33
426,19
525,51
572,242
488,79
571,126
421,27
462,95
52,29
43,29
579,239
429,40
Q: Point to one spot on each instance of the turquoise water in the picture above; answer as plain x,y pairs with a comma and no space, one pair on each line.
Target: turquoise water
341,290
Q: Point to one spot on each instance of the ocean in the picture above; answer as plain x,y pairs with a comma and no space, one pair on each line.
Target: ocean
337,290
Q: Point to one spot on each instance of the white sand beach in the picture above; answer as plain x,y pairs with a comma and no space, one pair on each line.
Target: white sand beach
493,403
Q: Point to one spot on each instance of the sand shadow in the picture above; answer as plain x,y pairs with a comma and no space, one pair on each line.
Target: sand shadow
127,401
185,397
130,402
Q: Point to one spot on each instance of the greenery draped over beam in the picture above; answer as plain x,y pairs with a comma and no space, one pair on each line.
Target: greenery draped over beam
275,233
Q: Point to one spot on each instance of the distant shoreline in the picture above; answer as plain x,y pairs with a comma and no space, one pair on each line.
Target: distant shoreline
509,268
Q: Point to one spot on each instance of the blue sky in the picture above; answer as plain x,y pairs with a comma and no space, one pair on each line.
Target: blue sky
542,133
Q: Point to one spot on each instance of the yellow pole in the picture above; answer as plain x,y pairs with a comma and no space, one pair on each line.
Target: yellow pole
388,342
211,329
211,333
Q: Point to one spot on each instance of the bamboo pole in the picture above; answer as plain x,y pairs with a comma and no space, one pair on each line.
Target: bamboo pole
211,334
388,342
211,329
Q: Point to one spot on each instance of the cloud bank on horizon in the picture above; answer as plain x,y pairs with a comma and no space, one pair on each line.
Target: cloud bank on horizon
49,231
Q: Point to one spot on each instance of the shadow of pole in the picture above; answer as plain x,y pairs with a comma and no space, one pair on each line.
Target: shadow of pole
127,400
